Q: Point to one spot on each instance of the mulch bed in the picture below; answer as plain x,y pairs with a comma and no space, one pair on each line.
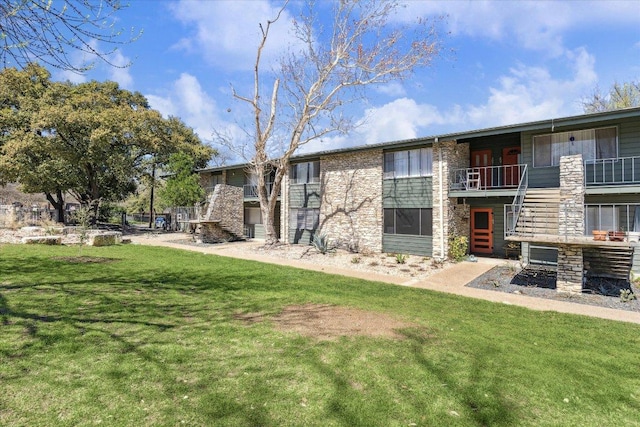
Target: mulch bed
541,283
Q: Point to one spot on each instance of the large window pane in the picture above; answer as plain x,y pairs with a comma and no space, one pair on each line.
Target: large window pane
389,221
606,143
304,173
414,163
542,151
426,222
401,164
590,143
408,221
304,219
388,166
426,161
314,171
252,216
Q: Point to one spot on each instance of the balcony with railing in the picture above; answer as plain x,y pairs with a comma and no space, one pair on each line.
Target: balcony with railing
251,190
613,172
604,224
487,178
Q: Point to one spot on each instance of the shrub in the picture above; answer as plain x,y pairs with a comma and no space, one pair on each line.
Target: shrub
401,258
458,246
321,243
627,295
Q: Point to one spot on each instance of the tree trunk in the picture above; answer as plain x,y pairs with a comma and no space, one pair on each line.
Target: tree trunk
268,201
58,204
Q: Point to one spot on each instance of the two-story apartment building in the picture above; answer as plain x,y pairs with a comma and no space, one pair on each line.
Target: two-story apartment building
542,187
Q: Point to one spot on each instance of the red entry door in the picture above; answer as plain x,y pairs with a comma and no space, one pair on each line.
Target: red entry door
510,172
479,161
482,230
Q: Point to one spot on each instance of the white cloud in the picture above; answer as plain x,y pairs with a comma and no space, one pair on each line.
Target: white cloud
535,25
394,89
532,93
524,94
119,72
227,33
186,99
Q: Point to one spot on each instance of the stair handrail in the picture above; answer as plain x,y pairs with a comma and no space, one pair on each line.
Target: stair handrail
518,200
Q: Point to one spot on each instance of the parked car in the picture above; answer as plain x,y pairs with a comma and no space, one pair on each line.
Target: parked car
161,222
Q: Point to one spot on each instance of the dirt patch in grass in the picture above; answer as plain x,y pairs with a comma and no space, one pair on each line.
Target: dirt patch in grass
84,259
328,322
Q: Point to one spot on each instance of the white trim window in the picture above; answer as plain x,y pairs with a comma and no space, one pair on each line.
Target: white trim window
411,221
408,163
305,173
591,143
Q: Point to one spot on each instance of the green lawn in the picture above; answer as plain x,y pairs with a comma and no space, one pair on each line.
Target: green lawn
150,338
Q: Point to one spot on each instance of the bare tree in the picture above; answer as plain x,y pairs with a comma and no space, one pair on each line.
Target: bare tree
620,96
359,48
47,31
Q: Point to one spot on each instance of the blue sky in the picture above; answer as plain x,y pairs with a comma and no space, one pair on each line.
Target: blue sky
504,62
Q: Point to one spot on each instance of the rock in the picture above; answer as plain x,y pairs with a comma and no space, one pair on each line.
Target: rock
42,240
109,238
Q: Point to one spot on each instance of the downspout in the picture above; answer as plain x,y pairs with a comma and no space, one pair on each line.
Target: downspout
441,189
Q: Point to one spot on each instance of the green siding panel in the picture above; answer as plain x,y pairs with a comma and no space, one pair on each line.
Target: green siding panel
258,232
401,243
304,195
235,177
407,193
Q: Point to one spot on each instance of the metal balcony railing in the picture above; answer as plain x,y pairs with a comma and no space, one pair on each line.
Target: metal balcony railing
251,190
513,212
621,170
487,177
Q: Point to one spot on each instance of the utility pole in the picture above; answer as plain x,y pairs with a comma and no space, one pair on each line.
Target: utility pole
153,183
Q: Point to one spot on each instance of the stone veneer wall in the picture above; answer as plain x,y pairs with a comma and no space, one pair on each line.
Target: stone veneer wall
447,155
571,223
226,207
351,206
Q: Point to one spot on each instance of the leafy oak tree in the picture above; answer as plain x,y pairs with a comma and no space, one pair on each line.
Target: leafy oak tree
48,31
182,187
331,66
92,140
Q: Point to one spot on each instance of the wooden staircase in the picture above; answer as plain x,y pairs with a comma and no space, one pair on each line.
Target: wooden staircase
539,212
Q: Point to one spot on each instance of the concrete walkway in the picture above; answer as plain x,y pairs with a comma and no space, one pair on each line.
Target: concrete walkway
450,280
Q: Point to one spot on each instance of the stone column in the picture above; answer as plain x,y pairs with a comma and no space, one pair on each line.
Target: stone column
570,269
284,209
571,224
448,216
571,215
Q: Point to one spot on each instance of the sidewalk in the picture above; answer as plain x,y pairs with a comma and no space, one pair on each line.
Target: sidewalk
450,280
